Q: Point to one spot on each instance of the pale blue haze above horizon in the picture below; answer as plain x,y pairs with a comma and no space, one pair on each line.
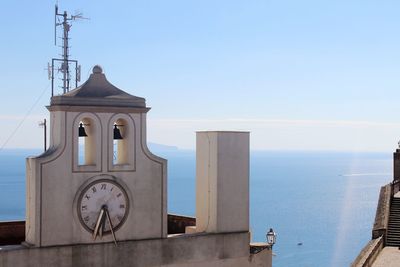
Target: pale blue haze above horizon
300,75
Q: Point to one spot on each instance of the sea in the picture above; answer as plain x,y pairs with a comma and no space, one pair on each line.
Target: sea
321,204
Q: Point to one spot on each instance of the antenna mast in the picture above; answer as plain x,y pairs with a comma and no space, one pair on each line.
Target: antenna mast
65,61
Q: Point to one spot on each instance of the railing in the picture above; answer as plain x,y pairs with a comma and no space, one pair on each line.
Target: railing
12,233
395,187
177,223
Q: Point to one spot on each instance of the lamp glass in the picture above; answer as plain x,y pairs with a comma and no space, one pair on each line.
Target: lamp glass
271,237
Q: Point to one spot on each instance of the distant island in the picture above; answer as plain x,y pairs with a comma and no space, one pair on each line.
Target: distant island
161,147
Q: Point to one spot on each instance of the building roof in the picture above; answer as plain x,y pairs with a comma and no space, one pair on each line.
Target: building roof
97,91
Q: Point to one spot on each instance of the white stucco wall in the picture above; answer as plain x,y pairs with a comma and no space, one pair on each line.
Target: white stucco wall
222,182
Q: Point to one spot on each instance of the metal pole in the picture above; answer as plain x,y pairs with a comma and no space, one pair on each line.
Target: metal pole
45,134
65,53
76,74
52,77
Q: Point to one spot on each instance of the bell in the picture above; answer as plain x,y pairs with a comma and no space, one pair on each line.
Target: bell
82,132
117,133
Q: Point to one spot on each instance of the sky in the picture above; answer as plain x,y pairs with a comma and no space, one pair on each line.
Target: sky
299,75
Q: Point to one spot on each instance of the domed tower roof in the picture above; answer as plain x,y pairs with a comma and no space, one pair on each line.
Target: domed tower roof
97,91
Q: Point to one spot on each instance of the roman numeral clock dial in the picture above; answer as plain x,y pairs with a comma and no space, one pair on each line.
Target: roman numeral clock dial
103,207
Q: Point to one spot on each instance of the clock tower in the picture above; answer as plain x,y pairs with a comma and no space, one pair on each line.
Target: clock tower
97,182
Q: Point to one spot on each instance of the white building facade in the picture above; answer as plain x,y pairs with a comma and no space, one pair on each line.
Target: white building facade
98,196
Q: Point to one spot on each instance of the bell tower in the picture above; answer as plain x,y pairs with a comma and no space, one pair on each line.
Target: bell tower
97,182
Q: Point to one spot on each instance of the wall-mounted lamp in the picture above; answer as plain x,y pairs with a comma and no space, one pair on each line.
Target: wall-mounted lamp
271,237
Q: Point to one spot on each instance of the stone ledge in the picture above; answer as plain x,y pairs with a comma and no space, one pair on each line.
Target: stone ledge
258,247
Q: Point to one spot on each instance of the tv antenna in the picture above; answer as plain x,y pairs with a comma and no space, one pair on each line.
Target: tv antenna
64,21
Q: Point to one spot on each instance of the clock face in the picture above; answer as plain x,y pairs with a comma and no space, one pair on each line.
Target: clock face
99,196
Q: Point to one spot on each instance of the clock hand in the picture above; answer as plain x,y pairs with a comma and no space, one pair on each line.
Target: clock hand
111,227
103,225
101,230
98,223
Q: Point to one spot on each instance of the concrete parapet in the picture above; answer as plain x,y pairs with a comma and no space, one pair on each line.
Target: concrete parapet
369,253
382,212
180,250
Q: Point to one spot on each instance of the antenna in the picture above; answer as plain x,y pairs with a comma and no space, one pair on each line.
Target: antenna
55,24
65,61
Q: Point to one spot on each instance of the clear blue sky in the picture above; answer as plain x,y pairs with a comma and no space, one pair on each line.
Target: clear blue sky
318,75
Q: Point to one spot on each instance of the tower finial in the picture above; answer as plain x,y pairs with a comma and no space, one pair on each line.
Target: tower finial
97,69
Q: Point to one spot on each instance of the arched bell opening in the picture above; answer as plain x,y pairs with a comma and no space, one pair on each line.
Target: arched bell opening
120,142
86,142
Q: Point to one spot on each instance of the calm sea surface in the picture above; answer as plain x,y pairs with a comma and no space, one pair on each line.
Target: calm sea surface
324,200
